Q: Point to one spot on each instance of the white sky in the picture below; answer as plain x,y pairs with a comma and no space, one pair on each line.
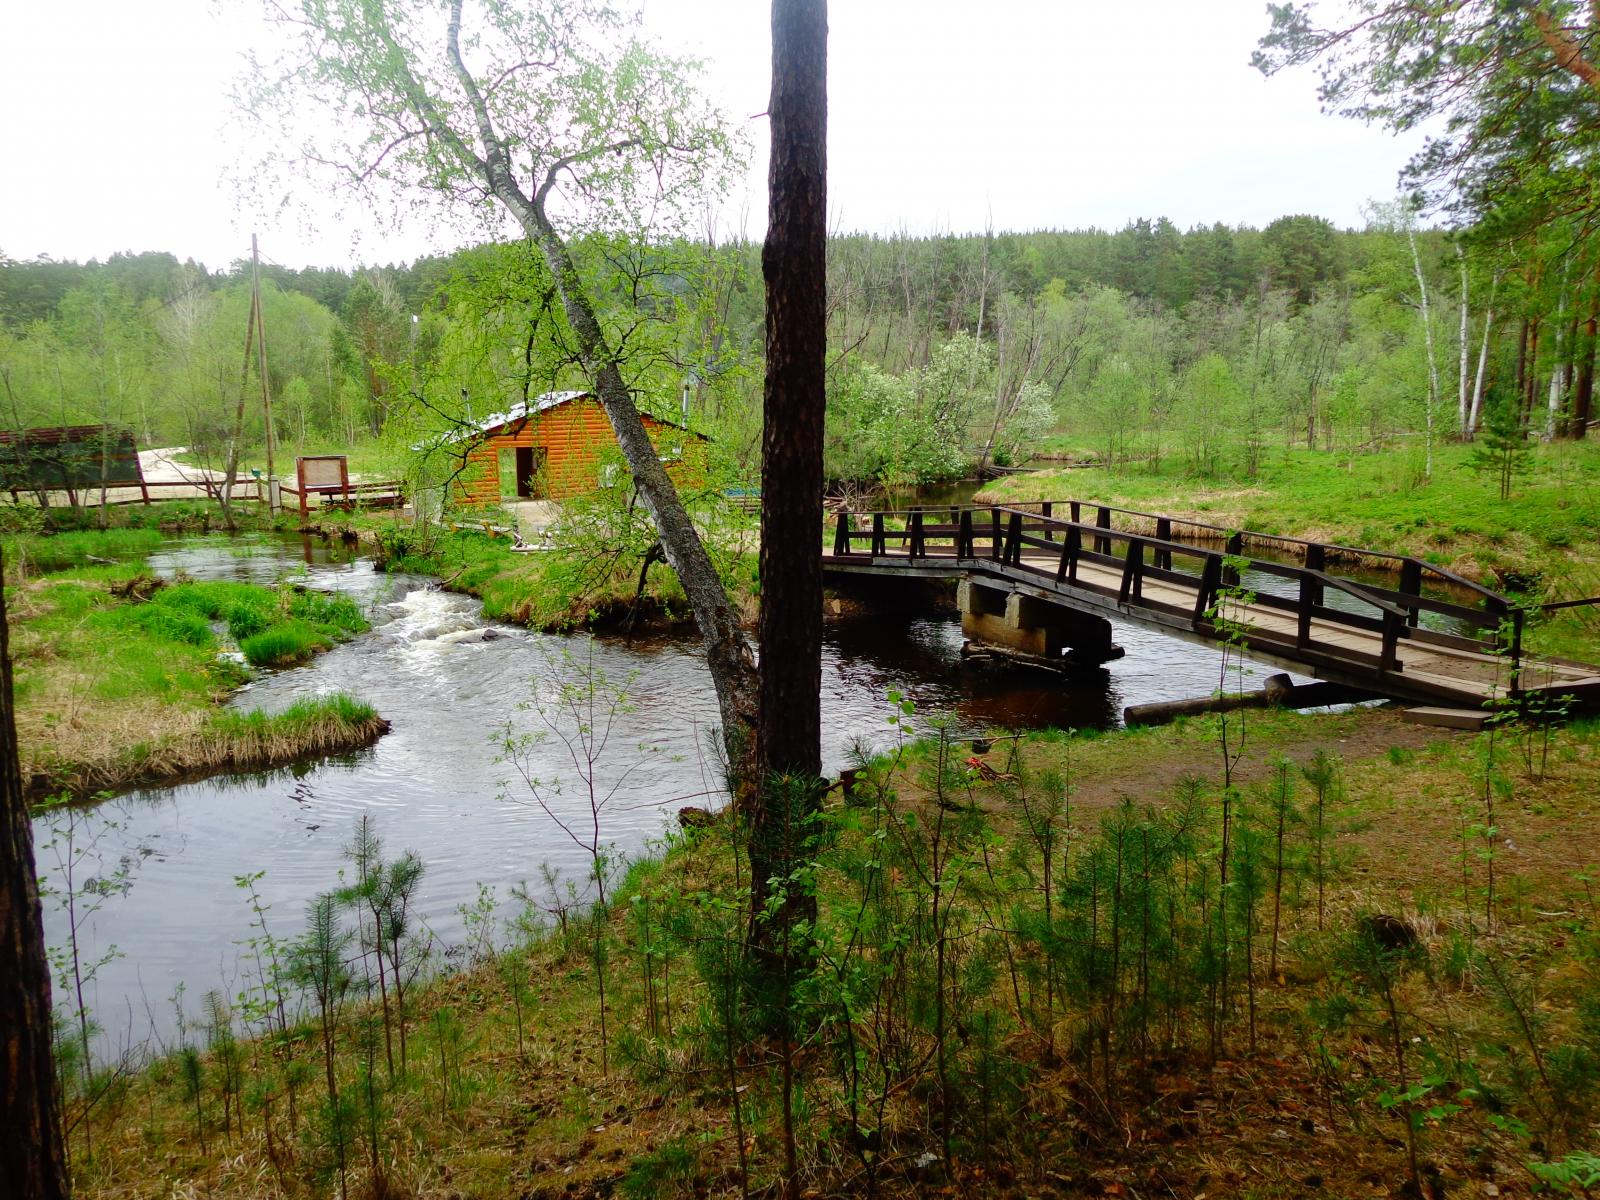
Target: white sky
116,131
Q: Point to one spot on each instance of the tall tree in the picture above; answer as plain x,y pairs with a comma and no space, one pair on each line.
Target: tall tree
32,1158
567,123
794,265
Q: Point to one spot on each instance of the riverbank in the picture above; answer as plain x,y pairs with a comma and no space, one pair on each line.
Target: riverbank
561,586
1117,1028
119,675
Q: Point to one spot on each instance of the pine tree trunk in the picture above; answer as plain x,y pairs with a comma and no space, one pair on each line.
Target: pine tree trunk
32,1160
794,265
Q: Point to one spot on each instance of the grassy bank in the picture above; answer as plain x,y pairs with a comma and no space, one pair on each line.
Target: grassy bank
1549,529
119,676
1393,995
568,587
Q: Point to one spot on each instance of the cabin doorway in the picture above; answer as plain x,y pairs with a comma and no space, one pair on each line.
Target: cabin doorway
530,472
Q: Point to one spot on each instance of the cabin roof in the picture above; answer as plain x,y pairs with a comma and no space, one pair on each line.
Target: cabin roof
523,408
495,422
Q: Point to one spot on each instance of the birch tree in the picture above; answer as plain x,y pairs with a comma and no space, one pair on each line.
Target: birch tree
559,118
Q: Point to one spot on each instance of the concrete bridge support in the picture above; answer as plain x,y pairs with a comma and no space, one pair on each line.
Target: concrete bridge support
1026,625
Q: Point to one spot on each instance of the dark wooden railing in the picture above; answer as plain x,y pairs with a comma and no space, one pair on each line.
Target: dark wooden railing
1032,540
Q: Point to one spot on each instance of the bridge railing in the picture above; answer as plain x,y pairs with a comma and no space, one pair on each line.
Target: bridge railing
1034,541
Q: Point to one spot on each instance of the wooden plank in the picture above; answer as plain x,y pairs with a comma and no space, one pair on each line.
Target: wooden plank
1469,719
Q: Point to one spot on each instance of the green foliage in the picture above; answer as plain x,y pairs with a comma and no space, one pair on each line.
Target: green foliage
1502,451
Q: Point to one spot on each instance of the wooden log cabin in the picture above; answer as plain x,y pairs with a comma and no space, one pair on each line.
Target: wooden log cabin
560,445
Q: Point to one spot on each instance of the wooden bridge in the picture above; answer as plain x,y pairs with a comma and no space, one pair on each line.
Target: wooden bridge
1044,579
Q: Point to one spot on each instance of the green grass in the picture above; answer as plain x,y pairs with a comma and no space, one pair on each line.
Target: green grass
283,645
114,688
43,553
544,590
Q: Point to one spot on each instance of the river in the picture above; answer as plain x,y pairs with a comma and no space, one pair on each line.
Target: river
452,683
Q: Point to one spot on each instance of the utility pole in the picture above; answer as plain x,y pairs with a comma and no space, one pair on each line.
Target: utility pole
261,348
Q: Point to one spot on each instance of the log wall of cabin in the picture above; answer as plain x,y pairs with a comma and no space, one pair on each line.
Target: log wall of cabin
577,439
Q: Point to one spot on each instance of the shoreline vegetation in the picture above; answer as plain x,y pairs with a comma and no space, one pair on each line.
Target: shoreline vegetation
120,675
1118,1028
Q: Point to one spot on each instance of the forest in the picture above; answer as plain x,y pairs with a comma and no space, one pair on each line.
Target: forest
1147,348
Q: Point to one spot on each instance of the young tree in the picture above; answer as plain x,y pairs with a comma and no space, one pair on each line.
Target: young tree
561,118
32,1160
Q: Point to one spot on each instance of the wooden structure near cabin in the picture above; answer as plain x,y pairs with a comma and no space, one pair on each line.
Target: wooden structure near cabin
70,459
1044,580
561,445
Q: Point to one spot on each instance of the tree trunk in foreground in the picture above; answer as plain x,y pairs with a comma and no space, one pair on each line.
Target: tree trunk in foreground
794,265
32,1160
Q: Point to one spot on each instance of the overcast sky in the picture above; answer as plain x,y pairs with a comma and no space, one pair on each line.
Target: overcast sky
118,134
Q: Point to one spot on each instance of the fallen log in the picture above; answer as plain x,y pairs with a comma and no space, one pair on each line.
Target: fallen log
1277,691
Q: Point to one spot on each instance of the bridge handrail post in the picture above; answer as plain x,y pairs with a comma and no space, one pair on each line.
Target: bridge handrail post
964,535
1517,616
1013,553
1102,545
1316,560
1230,575
1046,509
841,533
1309,587
918,549
1163,558
1390,658
1071,548
1132,572
1411,586
878,546
997,550
1210,581
1075,507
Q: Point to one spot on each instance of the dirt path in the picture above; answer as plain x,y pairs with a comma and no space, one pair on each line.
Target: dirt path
1354,736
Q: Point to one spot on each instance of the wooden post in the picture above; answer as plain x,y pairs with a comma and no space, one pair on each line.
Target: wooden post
1013,553
1309,586
1316,560
1163,557
1210,580
841,533
918,547
1390,658
1132,572
1102,545
1411,585
1516,652
998,546
965,536
1230,576
878,547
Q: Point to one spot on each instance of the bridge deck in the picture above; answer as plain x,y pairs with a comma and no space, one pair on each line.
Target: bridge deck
1434,637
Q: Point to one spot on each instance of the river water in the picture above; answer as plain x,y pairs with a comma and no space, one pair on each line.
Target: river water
453,684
